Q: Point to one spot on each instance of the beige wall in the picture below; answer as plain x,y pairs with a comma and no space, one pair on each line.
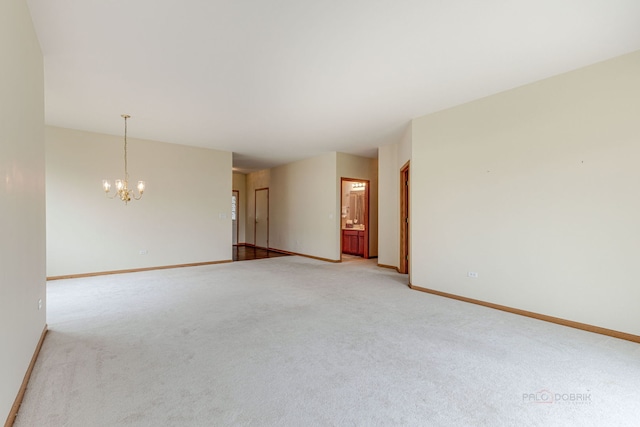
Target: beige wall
388,206
405,146
304,214
240,185
183,217
304,203
350,166
536,190
22,198
391,159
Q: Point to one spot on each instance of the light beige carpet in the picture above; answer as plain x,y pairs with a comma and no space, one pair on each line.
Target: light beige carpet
297,342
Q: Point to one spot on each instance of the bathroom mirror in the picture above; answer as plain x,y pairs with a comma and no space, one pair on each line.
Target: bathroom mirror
356,204
354,208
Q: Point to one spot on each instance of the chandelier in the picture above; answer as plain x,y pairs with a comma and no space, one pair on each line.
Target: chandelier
122,185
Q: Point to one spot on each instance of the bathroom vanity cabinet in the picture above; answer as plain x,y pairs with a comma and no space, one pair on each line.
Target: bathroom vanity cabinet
353,242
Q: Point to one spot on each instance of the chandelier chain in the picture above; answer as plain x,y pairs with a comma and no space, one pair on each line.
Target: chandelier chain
126,172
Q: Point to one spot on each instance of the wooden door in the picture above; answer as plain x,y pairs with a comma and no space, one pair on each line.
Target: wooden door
353,243
361,244
404,219
261,231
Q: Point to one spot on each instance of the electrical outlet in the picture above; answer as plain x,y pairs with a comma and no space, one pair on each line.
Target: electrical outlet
472,274
40,304
143,252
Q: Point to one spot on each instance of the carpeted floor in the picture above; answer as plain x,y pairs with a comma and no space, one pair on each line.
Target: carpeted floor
296,342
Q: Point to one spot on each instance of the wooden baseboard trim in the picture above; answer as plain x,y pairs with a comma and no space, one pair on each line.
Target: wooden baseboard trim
305,255
393,267
135,270
23,387
557,320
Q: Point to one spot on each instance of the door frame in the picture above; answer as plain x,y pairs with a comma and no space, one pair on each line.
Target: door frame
367,189
255,208
405,247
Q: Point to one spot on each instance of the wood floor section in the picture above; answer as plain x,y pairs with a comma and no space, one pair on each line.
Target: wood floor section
247,253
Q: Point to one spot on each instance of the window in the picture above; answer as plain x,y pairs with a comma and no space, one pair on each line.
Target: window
233,207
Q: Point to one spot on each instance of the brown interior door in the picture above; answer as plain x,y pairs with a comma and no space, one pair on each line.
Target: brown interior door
404,219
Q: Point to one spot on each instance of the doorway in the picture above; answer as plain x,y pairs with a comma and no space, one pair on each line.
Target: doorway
404,220
261,229
354,221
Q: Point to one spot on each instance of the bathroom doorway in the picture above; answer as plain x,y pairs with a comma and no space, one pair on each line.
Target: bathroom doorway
354,217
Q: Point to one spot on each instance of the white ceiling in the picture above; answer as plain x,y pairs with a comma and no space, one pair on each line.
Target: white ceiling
280,80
